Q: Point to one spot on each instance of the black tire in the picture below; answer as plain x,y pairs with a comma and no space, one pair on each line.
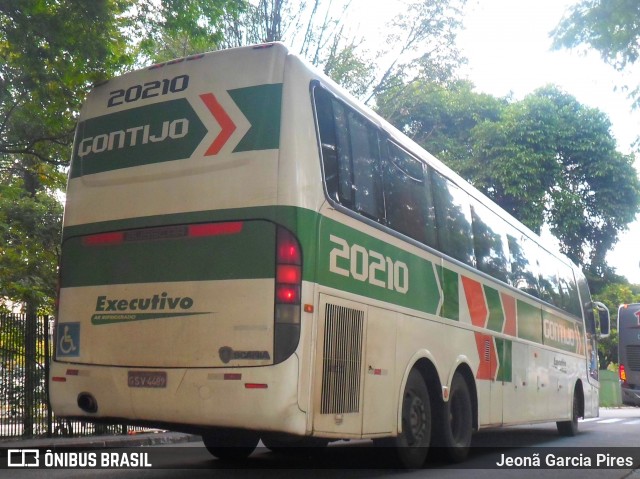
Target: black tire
231,444
410,448
456,423
570,428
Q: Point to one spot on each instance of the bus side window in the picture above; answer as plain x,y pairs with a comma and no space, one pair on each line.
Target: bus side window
328,142
489,242
453,219
587,306
548,280
367,173
569,291
524,268
408,202
350,156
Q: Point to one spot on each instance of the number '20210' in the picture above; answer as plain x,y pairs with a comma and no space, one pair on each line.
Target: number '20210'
148,90
368,266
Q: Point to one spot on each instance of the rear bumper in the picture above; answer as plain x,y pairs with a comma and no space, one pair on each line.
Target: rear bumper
257,398
630,395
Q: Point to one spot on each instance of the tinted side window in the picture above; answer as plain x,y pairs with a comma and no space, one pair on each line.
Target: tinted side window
569,299
548,280
490,242
453,219
367,173
343,153
587,305
328,142
523,255
408,202
350,156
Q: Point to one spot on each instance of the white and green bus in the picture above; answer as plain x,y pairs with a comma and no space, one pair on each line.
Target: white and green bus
249,253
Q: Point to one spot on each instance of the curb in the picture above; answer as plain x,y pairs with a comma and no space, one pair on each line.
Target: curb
133,440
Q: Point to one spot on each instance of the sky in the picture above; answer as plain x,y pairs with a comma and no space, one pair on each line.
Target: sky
508,48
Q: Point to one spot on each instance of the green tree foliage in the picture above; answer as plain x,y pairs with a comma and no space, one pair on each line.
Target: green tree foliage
548,160
51,53
615,294
439,116
169,29
611,27
30,235
418,42
423,44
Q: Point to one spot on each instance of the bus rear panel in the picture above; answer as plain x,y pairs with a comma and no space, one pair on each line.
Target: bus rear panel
181,278
629,353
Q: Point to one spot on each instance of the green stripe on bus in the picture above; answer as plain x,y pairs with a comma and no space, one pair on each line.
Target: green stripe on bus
429,284
261,105
352,261
494,304
529,322
246,255
504,350
449,281
112,318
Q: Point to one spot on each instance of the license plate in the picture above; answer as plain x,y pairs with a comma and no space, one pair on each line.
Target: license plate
147,379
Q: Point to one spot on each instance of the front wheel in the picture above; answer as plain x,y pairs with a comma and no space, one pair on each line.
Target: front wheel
230,444
410,448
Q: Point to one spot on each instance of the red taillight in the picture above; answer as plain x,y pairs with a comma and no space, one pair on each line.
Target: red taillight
622,373
103,239
288,268
287,273
287,294
288,248
215,229
164,233
256,386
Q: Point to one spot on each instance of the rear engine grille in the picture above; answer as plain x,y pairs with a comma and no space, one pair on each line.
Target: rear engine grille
342,360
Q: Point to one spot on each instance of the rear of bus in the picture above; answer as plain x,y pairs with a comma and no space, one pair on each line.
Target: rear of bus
182,270
629,353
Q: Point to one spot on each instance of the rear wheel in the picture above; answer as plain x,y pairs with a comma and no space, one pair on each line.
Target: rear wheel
230,444
456,425
570,428
410,448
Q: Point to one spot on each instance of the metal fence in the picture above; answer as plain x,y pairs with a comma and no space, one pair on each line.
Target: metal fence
25,347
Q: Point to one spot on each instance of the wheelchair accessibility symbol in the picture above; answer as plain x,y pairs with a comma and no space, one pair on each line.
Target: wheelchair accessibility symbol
68,340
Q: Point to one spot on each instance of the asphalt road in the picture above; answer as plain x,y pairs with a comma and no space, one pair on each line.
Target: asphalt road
615,436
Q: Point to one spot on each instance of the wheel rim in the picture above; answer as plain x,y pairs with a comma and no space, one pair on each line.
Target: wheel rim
415,425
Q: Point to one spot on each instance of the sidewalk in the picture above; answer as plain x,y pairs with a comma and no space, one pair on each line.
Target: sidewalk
130,440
